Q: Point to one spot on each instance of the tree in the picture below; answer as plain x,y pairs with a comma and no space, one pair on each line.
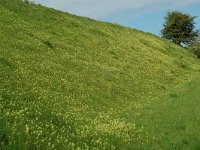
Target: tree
195,46
179,27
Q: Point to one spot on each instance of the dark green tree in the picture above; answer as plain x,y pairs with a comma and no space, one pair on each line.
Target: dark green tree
179,27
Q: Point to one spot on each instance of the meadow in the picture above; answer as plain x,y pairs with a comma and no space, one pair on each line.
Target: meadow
69,82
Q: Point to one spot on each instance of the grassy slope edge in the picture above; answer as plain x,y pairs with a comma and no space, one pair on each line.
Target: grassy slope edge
68,82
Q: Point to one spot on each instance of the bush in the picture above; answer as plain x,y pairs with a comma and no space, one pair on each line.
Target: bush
196,50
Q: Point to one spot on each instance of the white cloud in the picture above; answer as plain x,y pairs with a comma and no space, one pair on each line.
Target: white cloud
99,9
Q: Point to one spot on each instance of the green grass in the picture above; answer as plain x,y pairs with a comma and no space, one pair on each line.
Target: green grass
68,82
174,121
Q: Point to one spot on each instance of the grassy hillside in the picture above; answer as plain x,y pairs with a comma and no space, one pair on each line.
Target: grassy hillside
175,121
68,82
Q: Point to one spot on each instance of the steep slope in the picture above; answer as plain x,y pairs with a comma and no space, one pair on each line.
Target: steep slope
68,82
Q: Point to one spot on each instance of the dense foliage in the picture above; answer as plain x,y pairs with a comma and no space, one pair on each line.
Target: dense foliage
179,27
195,46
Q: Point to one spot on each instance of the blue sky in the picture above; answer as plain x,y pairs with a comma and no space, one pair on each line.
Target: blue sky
146,15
